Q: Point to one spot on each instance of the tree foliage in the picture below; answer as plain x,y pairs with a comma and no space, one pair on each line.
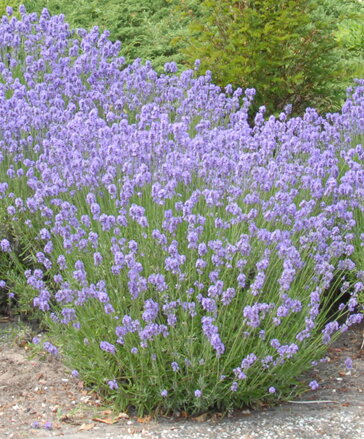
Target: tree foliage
280,48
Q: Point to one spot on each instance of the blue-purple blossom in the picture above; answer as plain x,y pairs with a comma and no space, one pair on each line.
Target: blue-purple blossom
348,363
175,366
5,245
48,425
198,393
314,385
212,333
49,347
151,309
107,347
234,386
113,384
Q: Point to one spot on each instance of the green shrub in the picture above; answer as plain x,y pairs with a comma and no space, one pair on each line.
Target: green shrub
282,49
184,259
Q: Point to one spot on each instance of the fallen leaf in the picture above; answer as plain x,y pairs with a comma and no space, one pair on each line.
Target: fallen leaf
145,419
133,431
106,412
108,421
67,419
201,418
216,416
122,416
86,427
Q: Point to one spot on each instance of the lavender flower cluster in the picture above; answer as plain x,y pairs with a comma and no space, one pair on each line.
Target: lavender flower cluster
167,230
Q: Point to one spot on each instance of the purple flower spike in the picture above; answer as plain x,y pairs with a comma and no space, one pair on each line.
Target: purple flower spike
314,385
175,366
348,363
50,348
113,384
35,424
5,245
107,347
48,426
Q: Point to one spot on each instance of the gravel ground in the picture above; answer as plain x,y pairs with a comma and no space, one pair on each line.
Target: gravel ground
280,423
41,389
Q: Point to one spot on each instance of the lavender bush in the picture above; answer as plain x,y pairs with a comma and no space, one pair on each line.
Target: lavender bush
182,258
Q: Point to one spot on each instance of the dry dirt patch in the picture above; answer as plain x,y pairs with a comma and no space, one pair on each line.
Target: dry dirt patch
40,389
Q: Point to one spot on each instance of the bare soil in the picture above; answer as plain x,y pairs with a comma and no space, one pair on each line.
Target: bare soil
39,389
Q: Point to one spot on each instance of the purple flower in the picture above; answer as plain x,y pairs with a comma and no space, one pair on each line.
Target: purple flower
50,348
198,393
5,245
75,373
348,363
164,393
107,347
212,334
109,309
234,386
113,384
97,259
248,361
314,385
272,389
175,366
48,426
151,310
35,424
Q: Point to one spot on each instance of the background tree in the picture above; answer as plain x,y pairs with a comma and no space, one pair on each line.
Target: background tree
281,48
